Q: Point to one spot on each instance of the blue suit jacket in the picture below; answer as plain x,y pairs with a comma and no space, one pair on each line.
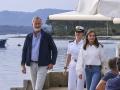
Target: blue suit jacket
47,50
113,84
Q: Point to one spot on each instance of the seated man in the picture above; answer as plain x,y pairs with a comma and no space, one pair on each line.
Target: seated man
114,84
111,74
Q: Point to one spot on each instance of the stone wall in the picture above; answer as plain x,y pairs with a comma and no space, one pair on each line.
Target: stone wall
53,79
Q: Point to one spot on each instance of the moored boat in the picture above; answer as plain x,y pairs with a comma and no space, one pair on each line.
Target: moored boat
2,43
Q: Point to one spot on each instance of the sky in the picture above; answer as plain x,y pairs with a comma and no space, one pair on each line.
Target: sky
32,5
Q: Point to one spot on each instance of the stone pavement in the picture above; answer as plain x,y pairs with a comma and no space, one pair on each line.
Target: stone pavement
58,88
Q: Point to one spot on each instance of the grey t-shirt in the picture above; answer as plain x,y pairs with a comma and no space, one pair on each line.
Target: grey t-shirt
109,75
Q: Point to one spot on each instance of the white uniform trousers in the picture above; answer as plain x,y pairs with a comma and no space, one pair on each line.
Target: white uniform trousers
38,76
74,83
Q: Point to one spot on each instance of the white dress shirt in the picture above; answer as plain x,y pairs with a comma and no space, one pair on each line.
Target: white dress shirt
91,56
35,46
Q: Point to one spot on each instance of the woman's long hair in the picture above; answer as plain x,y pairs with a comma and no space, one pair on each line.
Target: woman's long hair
96,43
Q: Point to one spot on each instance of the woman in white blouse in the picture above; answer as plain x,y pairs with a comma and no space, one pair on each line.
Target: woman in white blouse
90,59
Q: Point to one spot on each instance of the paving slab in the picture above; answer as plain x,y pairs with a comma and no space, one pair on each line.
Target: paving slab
59,88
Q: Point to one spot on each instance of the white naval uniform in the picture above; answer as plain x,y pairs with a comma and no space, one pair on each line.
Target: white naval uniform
74,83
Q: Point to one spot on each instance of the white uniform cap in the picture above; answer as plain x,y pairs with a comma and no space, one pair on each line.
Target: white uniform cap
79,28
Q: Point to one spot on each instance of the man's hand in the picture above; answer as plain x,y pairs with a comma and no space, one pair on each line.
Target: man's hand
80,76
50,66
23,69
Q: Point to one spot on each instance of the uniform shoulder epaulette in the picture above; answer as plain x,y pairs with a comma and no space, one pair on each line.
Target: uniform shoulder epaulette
71,41
101,45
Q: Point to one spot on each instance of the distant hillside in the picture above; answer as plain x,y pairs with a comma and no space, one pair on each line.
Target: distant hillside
15,18
5,29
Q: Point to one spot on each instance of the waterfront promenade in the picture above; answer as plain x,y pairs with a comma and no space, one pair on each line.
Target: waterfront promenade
58,88
54,81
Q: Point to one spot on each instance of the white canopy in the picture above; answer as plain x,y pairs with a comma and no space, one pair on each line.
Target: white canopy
99,10
74,15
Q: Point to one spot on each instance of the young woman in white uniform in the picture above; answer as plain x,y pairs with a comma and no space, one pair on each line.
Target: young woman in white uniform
74,83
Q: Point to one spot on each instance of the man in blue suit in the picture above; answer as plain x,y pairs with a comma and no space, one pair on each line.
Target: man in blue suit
40,53
114,84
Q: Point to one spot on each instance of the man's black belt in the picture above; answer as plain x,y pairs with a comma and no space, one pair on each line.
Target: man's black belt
34,61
